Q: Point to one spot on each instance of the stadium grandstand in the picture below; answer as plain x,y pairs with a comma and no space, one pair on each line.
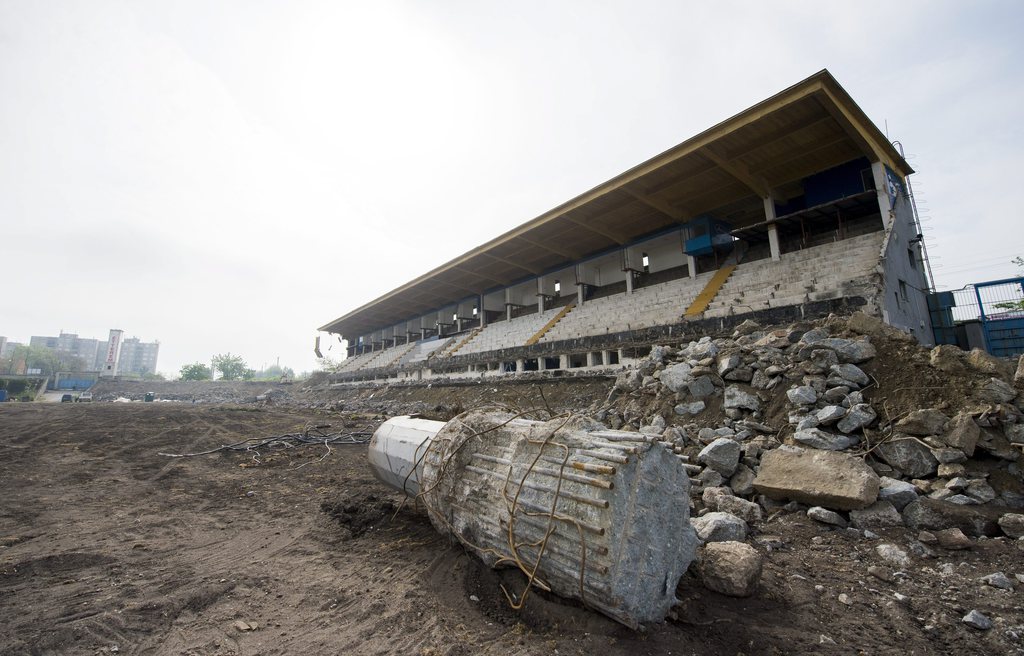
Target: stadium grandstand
794,208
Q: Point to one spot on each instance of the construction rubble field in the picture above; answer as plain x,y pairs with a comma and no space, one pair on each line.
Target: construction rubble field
853,492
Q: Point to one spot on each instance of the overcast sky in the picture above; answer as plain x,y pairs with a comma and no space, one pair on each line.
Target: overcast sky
227,176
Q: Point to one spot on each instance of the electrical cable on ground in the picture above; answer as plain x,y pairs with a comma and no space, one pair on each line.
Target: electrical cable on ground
314,435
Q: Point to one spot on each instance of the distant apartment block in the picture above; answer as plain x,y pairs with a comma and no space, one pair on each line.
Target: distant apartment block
112,357
138,357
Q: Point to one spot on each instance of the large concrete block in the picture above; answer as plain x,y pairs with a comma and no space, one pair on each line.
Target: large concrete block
817,478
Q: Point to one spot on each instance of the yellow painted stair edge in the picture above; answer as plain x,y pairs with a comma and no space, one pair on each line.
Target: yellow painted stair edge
551,324
709,292
469,337
401,355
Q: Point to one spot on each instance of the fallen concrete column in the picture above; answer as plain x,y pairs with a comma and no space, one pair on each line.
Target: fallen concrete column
585,512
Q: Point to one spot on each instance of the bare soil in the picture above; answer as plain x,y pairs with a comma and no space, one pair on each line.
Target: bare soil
107,546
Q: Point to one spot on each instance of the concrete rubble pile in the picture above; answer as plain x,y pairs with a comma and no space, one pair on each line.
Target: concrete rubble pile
810,419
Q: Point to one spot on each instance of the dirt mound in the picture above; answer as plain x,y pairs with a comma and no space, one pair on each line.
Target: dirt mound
358,512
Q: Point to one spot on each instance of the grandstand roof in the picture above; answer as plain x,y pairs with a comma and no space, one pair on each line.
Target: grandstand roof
726,170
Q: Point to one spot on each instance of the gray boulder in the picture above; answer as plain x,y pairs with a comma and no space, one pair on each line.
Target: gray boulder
928,421
701,387
1018,378
933,515
737,399
720,527
880,514
728,362
731,568
676,377
825,516
722,455
694,408
850,372
830,414
628,380
849,350
803,395
976,620
817,478
742,482
819,439
962,433
909,456
1012,525
859,416
996,391
748,511
898,493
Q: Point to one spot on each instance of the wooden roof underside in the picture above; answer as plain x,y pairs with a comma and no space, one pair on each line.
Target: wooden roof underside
725,171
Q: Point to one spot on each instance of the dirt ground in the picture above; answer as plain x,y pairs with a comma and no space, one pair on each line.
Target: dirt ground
108,547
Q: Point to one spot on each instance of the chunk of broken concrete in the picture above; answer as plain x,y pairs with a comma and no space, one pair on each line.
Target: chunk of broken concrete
850,372
932,515
803,395
908,455
859,416
994,390
1012,525
819,439
927,421
962,433
737,399
748,511
676,377
898,493
826,516
731,568
953,539
818,478
722,455
880,514
720,527
849,350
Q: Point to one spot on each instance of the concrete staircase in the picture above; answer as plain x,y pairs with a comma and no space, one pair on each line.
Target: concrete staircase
656,305
551,323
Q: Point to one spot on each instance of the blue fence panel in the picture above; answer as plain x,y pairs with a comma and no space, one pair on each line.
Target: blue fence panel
994,309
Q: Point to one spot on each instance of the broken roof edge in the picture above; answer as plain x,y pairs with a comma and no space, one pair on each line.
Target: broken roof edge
822,81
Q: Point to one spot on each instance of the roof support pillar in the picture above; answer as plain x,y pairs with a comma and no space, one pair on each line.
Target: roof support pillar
483,312
540,293
508,304
773,230
691,265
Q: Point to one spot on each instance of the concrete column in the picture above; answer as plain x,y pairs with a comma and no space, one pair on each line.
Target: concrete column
541,364
606,358
882,191
691,265
483,312
773,230
508,303
563,362
520,366
591,360
628,266
540,290
579,285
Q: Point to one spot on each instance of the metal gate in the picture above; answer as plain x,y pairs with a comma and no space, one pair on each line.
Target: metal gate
989,315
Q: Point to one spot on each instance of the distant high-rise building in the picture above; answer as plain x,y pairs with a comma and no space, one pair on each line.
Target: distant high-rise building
138,357
111,357
71,344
